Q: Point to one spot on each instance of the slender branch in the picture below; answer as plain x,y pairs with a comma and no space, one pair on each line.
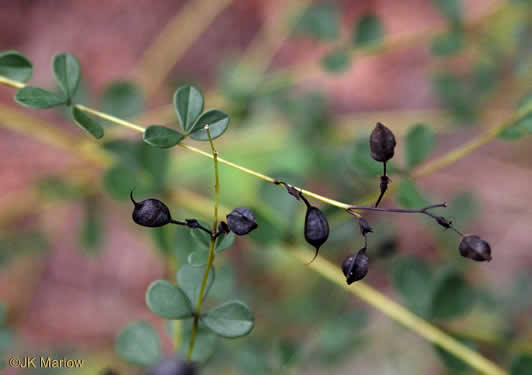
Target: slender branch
399,210
447,159
400,314
447,224
210,259
174,40
217,182
12,83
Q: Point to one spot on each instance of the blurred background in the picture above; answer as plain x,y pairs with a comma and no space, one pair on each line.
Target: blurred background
304,83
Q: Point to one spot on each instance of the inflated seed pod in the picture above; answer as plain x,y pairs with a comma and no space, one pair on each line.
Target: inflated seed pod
382,143
473,247
316,227
150,212
241,221
355,267
172,366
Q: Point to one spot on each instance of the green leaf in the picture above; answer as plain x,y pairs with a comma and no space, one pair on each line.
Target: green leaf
525,104
512,132
412,280
37,98
222,289
119,181
189,280
368,32
86,123
198,258
16,66
188,104
231,319
452,296
92,226
337,61
162,137
204,344
122,99
452,9
224,242
218,122
448,44
67,71
453,363
320,22
138,343
419,144
166,300
522,365
408,196
455,94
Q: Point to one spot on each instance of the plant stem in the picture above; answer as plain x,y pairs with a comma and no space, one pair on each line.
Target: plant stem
444,161
12,83
210,259
401,315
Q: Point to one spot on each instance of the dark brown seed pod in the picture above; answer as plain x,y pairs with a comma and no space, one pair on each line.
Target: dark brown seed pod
150,212
172,367
473,247
241,221
382,143
316,227
355,267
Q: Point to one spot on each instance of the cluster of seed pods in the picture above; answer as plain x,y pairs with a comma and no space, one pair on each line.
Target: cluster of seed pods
153,213
241,221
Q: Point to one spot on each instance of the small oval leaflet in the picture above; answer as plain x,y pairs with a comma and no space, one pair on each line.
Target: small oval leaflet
231,319
161,136
166,300
188,104
15,65
139,343
67,71
37,98
218,122
86,123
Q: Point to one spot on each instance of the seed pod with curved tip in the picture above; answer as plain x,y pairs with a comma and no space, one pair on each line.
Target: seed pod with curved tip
171,366
473,247
241,221
316,227
382,143
150,212
355,267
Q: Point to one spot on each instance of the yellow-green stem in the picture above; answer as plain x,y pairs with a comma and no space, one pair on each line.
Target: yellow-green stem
210,259
401,315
